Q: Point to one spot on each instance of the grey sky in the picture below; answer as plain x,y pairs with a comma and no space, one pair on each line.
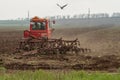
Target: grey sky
11,9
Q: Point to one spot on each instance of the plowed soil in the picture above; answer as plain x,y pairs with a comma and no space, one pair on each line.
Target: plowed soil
103,41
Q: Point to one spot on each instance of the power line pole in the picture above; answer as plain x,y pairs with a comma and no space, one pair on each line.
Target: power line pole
88,13
28,15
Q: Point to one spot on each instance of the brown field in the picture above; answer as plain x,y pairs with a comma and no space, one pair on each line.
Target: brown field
104,43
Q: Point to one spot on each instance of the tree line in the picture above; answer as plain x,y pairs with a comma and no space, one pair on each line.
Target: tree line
84,16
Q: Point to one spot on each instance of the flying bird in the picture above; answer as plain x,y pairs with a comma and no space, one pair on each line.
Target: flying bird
61,7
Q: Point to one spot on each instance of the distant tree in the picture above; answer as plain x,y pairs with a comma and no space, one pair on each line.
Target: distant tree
106,15
68,16
53,17
93,16
63,17
81,16
58,17
116,14
75,16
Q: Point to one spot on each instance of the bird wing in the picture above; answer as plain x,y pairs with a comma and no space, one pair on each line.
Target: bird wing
58,5
64,5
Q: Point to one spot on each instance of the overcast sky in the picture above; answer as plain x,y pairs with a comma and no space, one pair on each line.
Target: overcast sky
12,9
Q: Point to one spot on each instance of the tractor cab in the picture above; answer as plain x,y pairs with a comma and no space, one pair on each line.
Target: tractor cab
38,24
39,27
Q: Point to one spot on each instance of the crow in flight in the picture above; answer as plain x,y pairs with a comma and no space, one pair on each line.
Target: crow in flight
61,7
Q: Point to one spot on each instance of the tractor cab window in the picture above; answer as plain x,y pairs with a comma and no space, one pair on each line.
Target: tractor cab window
39,26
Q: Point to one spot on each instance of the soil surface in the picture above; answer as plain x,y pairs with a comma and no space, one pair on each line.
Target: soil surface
103,41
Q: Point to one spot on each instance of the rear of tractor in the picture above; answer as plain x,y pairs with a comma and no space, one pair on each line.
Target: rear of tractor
39,38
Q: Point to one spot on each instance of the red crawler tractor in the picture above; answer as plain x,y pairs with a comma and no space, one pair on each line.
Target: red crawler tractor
39,28
39,38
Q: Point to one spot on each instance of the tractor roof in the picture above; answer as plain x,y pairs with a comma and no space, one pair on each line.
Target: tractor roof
37,19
